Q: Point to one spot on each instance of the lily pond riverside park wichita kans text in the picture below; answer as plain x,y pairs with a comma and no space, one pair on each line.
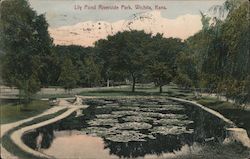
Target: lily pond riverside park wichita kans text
119,7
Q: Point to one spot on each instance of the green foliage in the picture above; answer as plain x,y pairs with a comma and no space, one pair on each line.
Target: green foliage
79,56
183,80
217,57
69,76
160,74
124,52
91,72
187,75
12,112
139,56
26,45
161,59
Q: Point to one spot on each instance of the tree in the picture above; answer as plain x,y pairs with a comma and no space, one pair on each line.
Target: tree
77,54
220,52
69,76
235,35
124,53
25,42
160,74
91,72
187,71
161,59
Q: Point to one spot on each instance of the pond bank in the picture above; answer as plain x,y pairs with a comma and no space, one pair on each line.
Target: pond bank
233,132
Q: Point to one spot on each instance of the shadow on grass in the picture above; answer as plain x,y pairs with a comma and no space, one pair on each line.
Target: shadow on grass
119,93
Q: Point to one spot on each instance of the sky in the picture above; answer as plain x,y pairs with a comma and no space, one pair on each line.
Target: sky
82,22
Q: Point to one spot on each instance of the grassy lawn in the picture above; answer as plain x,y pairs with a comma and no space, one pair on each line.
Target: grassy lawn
39,96
12,111
170,90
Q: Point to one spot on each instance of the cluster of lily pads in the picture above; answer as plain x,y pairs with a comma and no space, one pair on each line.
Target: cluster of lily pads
137,119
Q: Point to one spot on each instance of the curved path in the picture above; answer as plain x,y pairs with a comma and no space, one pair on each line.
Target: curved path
16,136
7,127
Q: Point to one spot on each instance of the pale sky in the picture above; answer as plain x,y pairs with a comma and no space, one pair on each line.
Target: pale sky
74,22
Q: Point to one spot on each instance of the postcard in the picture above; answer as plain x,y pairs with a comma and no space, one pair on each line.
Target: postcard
124,79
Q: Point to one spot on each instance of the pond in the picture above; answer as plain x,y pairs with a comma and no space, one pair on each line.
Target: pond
132,128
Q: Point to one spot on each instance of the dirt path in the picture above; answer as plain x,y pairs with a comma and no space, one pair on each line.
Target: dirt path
16,136
6,127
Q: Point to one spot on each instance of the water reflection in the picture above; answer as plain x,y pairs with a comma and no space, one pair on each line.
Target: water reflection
162,144
82,145
60,141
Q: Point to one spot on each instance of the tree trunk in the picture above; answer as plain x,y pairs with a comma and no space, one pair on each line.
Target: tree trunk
107,82
133,86
160,88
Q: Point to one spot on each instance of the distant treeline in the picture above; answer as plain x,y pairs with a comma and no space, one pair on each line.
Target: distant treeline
216,58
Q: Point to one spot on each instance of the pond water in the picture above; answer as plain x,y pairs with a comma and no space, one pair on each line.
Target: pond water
131,128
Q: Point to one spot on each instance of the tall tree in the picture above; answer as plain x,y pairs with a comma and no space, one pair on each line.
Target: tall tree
161,59
69,76
25,42
125,52
91,72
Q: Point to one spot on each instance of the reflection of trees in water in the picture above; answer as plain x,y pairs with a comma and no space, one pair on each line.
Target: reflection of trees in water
47,137
47,132
206,125
30,138
162,144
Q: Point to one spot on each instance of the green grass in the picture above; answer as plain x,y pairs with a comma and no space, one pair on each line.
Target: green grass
40,96
170,90
14,149
11,112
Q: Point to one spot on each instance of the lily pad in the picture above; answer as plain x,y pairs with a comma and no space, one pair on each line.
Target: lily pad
164,107
100,131
132,125
129,108
107,106
108,116
173,130
127,136
151,114
125,113
103,122
176,122
137,119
